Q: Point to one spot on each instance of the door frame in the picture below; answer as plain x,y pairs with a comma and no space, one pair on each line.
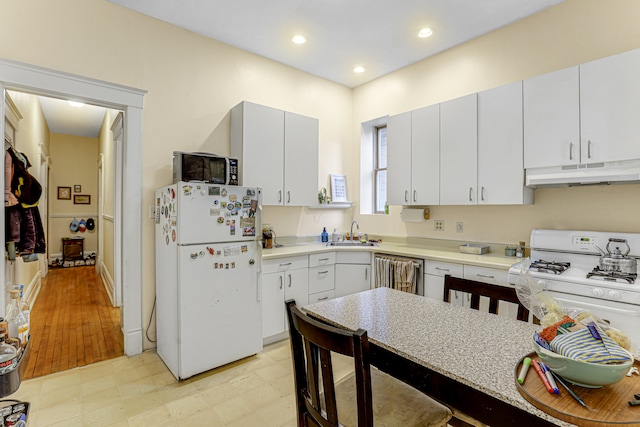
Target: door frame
42,81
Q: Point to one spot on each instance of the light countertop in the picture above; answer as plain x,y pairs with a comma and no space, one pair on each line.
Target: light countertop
436,252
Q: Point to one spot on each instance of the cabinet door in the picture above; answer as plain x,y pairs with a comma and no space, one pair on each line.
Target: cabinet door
552,119
296,286
425,155
258,139
500,146
352,278
609,108
458,151
300,160
273,314
399,159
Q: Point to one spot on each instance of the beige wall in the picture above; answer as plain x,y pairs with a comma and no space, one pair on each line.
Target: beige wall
571,33
73,162
192,83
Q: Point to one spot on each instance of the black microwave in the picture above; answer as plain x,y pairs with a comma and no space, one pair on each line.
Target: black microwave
205,167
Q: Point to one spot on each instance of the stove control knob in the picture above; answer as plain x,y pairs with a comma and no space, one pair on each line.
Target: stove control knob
597,292
615,295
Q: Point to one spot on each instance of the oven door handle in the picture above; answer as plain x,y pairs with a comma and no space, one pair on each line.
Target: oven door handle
602,307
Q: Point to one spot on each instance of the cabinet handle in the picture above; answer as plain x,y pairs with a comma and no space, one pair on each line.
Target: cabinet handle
589,149
482,193
279,196
366,274
406,196
289,280
285,264
486,276
322,272
323,298
415,196
280,282
323,259
571,151
288,196
442,269
470,190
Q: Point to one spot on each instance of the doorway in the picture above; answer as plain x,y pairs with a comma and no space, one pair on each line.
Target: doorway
128,262
77,156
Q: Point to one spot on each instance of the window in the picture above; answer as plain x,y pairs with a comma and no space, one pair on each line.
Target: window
380,168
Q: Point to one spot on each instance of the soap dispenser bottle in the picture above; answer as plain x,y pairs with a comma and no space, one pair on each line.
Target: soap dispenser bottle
325,235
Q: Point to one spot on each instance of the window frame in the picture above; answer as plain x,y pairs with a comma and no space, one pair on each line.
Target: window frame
376,166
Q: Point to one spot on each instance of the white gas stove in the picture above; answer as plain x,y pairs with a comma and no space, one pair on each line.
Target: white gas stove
565,260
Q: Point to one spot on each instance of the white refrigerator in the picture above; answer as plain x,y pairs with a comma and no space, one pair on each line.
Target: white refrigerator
208,302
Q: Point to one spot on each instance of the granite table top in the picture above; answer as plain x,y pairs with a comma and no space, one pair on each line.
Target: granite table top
478,349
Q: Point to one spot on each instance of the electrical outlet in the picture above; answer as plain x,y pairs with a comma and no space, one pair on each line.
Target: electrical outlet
152,212
438,225
459,227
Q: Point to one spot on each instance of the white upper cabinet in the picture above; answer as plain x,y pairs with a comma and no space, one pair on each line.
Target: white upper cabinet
552,119
277,151
500,147
413,157
399,159
458,151
300,160
610,108
584,114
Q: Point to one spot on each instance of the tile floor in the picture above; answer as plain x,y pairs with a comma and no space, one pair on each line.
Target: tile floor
140,391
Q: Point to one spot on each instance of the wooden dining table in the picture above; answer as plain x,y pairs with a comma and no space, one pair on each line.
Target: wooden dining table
464,358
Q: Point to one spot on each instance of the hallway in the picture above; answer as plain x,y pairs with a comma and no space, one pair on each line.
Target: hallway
72,323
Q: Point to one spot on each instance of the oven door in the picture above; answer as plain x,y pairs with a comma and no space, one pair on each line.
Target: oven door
625,317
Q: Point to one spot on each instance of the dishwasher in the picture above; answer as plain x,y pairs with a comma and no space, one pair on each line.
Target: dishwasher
399,272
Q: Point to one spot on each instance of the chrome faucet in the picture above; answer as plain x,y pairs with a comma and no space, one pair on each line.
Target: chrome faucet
353,222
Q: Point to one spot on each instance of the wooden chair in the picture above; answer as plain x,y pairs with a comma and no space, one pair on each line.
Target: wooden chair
495,293
364,397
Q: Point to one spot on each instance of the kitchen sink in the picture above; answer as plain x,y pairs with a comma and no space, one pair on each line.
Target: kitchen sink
352,244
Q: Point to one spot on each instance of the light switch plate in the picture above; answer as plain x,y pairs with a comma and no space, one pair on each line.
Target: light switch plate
459,227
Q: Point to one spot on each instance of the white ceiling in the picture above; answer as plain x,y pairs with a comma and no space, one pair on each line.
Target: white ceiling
380,35
65,119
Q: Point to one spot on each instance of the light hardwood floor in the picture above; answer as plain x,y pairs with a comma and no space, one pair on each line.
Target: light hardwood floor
72,323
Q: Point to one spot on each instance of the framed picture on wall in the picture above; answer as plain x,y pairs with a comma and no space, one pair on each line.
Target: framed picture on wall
77,188
338,188
81,199
64,193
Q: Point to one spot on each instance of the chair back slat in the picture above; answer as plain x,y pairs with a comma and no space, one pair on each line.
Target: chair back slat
311,345
495,293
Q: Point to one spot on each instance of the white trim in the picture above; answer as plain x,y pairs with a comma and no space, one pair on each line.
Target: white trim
74,215
108,218
41,81
107,281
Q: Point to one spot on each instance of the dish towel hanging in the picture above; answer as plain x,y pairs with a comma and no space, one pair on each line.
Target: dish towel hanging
396,273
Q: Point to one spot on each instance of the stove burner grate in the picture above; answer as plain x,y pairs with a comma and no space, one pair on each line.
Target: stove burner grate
554,267
613,276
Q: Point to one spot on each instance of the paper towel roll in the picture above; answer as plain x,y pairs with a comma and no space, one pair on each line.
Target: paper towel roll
414,214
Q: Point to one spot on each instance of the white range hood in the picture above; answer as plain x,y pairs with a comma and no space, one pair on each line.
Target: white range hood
585,174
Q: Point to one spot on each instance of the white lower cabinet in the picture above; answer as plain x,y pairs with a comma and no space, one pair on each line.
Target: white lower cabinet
434,280
321,276
282,279
353,273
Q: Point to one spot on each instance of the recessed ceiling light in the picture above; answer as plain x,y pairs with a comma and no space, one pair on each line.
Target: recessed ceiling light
299,39
359,69
425,32
76,104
